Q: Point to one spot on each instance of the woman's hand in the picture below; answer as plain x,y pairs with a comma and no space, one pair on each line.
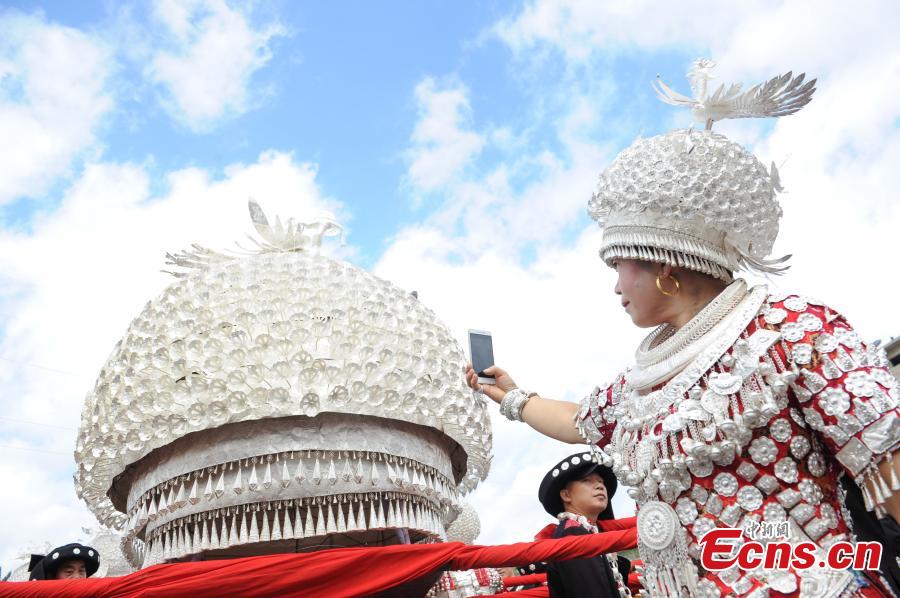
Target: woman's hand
496,391
550,418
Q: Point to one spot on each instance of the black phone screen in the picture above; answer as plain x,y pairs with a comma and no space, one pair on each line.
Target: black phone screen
482,353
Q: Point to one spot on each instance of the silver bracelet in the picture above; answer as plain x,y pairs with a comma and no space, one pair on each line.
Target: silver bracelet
513,402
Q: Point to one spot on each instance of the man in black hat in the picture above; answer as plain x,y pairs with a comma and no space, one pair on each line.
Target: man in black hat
72,561
578,491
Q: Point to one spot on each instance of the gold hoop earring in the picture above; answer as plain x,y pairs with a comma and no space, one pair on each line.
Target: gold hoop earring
665,292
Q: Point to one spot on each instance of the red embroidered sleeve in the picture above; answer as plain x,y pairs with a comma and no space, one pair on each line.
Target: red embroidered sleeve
844,387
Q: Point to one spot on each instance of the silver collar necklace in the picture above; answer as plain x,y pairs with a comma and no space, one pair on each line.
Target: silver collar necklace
666,350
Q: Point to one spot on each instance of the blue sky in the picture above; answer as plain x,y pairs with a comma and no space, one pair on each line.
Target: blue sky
338,91
459,145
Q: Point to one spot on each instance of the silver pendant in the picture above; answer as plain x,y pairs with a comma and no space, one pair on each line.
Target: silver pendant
724,384
792,332
692,409
775,316
810,322
801,353
788,498
826,343
803,513
715,403
699,494
700,467
656,525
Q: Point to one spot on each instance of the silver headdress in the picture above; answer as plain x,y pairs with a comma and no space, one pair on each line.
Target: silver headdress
278,400
695,199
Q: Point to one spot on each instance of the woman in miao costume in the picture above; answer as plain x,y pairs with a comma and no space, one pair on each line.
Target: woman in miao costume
743,405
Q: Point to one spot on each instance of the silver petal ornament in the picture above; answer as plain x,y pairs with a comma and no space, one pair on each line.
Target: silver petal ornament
725,484
786,470
780,429
763,450
799,446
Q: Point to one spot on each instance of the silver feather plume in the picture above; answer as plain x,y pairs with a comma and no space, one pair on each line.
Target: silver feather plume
282,237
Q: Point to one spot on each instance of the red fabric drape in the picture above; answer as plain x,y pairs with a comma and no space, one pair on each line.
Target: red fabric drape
546,532
333,573
538,592
563,549
605,525
611,525
524,580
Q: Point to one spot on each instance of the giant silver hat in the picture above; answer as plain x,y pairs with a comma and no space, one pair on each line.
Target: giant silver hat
275,401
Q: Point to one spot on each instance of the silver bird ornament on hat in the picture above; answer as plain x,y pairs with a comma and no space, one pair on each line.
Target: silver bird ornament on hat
779,96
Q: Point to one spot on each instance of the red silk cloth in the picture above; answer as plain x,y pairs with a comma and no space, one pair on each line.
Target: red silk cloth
604,525
538,592
546,532
612,525
524,580
334,573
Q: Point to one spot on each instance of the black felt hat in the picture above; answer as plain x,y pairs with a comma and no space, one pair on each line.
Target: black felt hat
45,566
575,467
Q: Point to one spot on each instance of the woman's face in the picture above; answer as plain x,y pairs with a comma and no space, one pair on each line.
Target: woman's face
641,299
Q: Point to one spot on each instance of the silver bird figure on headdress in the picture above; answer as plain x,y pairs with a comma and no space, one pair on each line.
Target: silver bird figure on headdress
779,96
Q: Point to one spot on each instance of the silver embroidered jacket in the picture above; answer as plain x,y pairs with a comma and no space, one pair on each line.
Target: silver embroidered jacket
776,401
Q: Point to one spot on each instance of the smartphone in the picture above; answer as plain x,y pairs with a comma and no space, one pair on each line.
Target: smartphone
481,350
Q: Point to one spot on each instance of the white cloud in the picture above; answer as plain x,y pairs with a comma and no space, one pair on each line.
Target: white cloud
52,99
215,51
442,142
748,40
74,283
527,195
40,494
581,28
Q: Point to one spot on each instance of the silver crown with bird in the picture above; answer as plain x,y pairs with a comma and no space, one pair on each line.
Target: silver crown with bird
693,198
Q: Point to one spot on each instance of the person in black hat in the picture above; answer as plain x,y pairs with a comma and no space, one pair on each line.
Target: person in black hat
72,561
578,491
